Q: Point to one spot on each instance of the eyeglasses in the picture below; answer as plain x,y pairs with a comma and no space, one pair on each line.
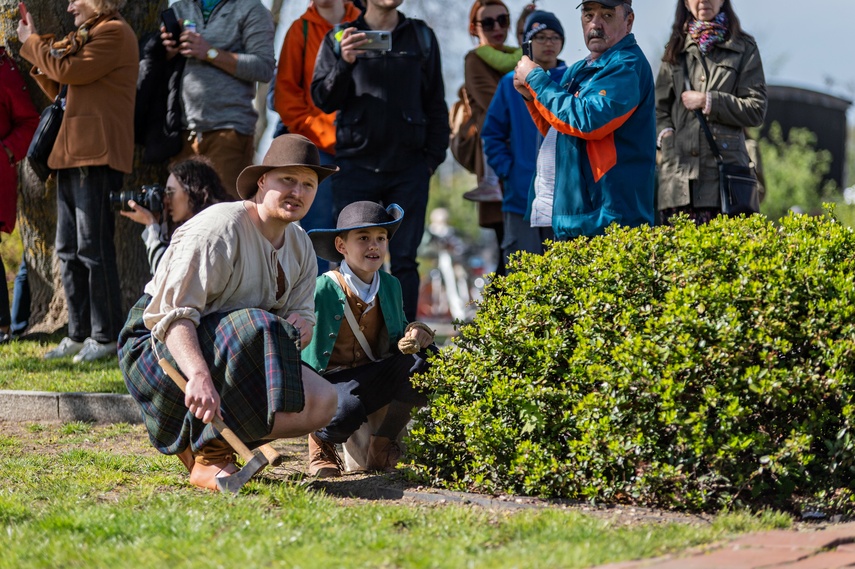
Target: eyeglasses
541,40
490,23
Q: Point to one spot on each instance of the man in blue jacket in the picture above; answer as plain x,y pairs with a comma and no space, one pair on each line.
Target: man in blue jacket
597,161
511,139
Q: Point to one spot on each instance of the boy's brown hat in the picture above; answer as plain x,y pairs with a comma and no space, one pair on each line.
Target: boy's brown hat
357,215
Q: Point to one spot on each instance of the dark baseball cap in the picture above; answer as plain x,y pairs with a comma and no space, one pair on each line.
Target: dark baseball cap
609,3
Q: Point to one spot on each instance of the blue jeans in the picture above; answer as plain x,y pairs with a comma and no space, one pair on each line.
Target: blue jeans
320,215
409,189
5,318
85,225
21,301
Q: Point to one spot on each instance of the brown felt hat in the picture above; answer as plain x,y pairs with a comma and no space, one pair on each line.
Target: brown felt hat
357,215
285,150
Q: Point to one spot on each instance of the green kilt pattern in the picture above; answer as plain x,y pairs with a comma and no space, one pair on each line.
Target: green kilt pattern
255,365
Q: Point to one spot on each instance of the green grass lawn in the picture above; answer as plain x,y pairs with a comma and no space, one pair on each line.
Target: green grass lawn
22,367
69,500
72,496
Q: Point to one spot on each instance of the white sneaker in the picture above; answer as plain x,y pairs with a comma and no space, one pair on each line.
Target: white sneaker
67,347
94,350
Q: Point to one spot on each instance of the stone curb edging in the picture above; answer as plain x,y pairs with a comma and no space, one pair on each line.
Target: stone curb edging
33,406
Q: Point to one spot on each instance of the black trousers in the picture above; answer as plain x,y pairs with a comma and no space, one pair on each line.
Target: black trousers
365,389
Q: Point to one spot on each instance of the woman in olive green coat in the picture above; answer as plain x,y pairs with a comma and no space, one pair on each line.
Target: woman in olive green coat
727,84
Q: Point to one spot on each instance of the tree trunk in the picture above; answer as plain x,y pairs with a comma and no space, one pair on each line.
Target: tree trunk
37,202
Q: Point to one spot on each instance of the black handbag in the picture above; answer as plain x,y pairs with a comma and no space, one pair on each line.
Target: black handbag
45,137
737,185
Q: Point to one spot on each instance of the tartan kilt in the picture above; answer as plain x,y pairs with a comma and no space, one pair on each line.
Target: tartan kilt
254,363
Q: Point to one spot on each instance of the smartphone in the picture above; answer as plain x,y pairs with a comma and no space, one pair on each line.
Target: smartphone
170,22
377,40
526,47
22,8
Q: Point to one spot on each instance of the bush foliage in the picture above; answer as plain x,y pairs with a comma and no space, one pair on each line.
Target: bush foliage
688,367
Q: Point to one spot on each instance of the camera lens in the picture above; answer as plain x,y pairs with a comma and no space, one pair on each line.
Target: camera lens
119,200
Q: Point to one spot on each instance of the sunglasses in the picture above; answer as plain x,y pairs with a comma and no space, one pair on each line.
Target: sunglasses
490,23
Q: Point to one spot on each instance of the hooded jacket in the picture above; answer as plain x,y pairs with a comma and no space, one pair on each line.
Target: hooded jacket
604,113
391,105
733,74
293,92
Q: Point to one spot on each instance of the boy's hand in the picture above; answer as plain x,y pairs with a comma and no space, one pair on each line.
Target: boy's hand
423,338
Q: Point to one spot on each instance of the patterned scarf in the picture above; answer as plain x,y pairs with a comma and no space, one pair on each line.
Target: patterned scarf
71,44
709,34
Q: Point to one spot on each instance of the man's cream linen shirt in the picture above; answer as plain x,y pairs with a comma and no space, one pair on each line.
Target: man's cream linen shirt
218,261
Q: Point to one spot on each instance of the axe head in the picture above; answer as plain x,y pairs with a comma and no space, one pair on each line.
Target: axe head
233,483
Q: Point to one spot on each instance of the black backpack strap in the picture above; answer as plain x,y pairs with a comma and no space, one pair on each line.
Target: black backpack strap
424,37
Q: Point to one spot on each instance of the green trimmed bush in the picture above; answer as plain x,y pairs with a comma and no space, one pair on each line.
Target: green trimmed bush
688,367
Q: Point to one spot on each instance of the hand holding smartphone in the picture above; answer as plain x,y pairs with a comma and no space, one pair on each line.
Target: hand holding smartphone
377,40
171,24
526,48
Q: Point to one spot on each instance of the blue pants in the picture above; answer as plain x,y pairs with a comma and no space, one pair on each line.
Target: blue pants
409,189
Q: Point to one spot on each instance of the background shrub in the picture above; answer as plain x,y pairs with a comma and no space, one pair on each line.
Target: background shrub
687,367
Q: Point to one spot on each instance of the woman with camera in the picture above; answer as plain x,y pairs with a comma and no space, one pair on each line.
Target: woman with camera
193,185
98,62
726,83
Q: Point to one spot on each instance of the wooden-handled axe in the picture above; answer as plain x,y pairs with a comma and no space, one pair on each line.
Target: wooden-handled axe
253,463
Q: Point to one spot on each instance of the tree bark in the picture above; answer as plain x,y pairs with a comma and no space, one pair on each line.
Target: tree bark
37,200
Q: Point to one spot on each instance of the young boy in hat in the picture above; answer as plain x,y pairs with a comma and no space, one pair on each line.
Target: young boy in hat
362,343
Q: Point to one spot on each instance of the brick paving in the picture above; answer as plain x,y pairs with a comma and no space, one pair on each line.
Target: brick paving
830,548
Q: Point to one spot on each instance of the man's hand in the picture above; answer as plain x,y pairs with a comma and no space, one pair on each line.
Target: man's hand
694,100
523,68
303,328
351,41
202,399
169,43
193,44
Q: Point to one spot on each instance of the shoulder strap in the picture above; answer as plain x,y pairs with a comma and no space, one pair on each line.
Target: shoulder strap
698,113
351,320
423,36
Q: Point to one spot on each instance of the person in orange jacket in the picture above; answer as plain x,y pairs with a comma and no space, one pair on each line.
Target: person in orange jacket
292,97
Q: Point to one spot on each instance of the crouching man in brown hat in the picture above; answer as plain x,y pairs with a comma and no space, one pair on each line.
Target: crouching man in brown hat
229,305
363,345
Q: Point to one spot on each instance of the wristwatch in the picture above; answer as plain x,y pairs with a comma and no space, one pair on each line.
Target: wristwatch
212,54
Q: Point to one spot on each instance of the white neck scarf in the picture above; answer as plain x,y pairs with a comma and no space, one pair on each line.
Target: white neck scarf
367,292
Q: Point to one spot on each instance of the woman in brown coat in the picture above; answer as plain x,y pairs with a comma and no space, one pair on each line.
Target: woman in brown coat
99,63
484,66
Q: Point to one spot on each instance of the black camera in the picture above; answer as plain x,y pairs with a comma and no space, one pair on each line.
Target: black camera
149,197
